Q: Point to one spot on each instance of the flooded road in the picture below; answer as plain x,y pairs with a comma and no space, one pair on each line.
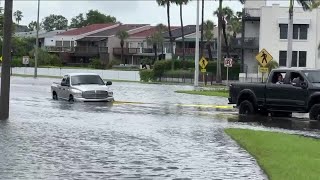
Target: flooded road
146,134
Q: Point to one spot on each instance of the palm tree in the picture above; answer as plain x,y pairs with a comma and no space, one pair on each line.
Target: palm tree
166,3
122,35
18,16
180,3
161,28
202,22
234,26
155,39
306,5
220,20
208,34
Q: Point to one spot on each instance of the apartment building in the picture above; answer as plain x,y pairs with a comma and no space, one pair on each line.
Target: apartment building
267,27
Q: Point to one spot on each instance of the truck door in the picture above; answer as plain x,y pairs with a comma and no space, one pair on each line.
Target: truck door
277,92
298,95
64,87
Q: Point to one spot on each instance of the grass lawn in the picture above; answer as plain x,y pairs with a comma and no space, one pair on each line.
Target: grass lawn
281,156
220,93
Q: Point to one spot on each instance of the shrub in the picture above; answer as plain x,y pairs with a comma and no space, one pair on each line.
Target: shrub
96,64
17,62
114,62
147,75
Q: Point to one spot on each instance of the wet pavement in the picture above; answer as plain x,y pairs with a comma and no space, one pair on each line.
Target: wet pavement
146,134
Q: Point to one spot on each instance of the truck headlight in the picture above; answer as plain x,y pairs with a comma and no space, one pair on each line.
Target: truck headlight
76,93
110,93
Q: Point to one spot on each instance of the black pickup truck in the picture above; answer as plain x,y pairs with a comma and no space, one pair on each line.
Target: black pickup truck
298,92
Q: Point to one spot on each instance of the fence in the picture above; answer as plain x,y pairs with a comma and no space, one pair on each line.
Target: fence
59,72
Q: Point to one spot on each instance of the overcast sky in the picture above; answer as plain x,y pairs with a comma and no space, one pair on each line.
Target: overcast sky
133,11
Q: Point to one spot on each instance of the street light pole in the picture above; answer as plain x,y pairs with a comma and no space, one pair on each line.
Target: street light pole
196,58
37,44
6,62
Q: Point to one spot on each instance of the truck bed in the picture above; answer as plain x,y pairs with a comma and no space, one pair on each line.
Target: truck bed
258,90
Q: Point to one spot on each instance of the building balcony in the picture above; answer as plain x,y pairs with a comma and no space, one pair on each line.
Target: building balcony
249,43
79,49
131,51
252,14
191,52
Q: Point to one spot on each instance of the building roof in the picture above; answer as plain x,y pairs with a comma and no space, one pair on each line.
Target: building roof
113,31
86,29
92,39
178,33
149,32
42,33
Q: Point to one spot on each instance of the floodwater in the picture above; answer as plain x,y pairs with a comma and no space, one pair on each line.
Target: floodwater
151,132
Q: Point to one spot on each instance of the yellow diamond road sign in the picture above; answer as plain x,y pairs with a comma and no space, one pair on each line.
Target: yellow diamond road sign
203,62
264,57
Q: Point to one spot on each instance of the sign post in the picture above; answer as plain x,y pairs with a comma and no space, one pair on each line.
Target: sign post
263,57
228,63
25,61
203,64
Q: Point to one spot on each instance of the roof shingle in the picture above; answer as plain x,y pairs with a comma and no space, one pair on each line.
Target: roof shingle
86,29
113,31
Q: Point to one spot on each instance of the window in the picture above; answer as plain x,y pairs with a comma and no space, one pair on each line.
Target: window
300,31
282,58
68,81
299,58
283,31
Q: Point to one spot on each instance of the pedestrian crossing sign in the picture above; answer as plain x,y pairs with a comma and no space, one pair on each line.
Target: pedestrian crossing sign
203,62
264,57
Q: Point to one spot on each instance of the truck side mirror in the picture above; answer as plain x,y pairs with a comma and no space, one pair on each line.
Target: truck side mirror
63,84
108,83
303,85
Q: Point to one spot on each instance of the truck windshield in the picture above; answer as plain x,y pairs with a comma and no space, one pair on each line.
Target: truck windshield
86,79
313,76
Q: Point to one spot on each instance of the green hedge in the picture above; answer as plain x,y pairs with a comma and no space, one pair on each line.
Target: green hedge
147,75
160,67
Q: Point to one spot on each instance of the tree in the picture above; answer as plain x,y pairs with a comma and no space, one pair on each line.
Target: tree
234,26
166,3
155,39
32,25
181,3
202,23
306,5
95,17
122,35
220,26
18,16
78,21
92,17
161,28
208,34
54,22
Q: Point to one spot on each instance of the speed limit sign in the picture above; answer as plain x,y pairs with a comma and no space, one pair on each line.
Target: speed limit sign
228,62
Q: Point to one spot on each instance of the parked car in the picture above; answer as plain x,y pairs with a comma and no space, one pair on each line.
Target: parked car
86,87
299,92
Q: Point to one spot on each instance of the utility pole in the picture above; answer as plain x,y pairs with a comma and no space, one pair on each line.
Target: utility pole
196,58
219,52
290,35
6,62
37,45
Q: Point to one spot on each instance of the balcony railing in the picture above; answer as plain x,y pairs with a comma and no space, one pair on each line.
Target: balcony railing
78,49
249,43
191,52
252,12
130,51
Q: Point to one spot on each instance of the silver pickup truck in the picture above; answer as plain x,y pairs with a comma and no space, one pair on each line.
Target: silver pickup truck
85,87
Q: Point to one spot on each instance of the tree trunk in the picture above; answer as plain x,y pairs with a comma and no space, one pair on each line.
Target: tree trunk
155,53
162,51
218,73
209,51
183,43
121,52
202,21
6,62
223,22
290,35
170,34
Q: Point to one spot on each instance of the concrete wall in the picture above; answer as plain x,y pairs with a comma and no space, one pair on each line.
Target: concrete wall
105,74
252,29
255,3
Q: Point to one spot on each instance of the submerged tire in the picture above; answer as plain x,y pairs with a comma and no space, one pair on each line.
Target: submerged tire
246,108
314,112
71,98
54,96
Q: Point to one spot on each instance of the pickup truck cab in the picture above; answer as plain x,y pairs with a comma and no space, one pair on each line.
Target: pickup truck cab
86,87
299,92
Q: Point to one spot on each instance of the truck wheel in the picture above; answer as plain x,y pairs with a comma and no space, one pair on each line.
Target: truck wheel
314,112
246,107
54,96
71,98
